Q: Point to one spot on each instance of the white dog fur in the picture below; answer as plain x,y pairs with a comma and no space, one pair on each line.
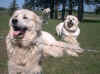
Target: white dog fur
27,44
69,30
46,11
46,15
61,31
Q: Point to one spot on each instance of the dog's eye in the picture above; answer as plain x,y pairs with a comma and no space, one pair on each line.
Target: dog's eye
25,17
73,19
16,15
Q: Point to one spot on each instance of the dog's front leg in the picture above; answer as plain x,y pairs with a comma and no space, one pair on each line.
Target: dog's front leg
58,48
55,49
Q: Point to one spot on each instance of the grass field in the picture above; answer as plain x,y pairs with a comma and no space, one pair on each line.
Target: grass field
87,63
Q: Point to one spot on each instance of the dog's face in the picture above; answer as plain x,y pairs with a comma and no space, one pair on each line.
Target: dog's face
71,22
25,25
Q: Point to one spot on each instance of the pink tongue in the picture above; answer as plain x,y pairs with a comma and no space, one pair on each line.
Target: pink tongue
16,33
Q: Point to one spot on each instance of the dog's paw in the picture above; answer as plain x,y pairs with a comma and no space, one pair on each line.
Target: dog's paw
72,53
79,50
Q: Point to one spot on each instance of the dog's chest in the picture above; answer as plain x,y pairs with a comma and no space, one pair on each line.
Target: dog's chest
24,56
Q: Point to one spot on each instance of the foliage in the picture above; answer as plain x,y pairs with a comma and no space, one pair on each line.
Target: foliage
32,4
3,9
13,7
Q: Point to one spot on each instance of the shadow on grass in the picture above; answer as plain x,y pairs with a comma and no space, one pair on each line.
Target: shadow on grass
91,21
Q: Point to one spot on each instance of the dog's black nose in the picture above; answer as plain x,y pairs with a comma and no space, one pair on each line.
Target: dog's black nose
14,21
70,20
70,24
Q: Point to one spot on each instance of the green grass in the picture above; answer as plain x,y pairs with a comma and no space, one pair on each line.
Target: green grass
87,63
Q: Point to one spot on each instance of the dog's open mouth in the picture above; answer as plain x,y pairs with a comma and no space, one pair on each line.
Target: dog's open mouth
70,24
19,31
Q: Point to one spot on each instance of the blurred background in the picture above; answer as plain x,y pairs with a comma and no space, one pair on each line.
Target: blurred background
88,13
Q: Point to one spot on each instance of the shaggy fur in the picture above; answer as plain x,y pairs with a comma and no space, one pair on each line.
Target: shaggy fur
46,15
27,44
69,30
46,11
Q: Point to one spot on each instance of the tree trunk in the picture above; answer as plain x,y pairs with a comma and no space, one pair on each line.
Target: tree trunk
56,9
70,7
13,7
33,6
63,9
80,10
52,9
87,1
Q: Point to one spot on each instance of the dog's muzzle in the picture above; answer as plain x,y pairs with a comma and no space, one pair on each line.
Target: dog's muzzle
19,31
14,21
70,24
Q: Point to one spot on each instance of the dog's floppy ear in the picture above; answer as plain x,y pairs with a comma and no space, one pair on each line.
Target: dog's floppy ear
38,22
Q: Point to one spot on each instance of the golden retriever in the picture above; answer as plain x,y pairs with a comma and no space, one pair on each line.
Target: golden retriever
27,44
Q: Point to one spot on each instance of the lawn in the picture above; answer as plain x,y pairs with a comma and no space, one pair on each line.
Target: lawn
87,63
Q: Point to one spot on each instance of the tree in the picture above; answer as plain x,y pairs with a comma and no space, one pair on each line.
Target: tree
28,4
52,9
25,3
31,4
63,9
80,10
45,3
56,9
13,7
87,1
70,7
97,1
3,9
